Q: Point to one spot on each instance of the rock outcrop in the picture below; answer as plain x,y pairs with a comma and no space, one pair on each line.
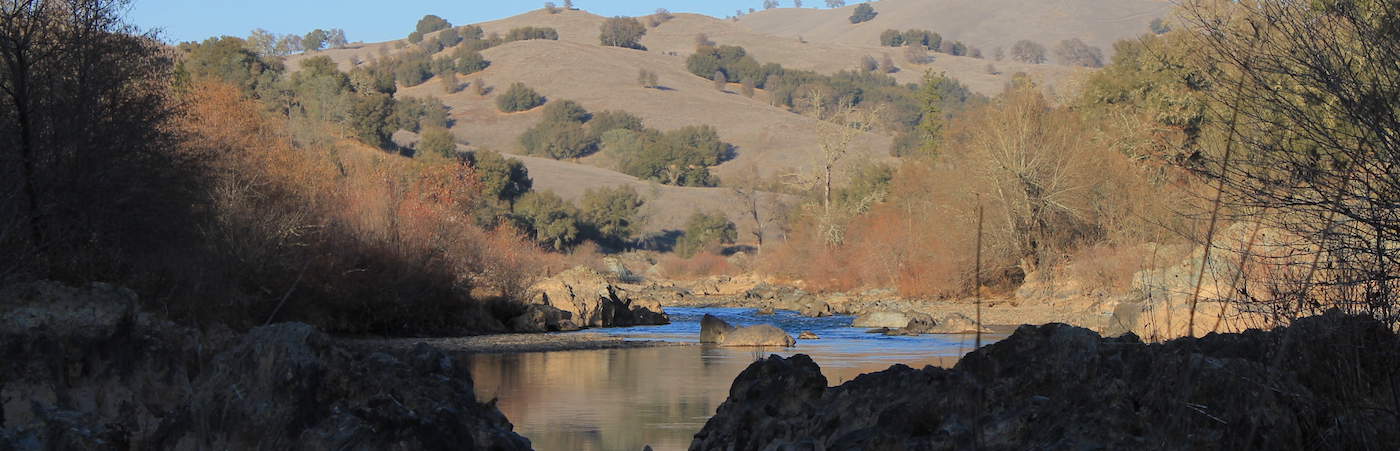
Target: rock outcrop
717,331
543,318
1325,382
83,368
592,301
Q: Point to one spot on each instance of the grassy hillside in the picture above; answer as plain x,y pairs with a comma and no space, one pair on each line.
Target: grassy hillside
981,23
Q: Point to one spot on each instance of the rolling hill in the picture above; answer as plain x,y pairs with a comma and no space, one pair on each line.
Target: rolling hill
987,24
769,140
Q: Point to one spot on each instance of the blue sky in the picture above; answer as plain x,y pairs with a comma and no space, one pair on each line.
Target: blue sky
374,20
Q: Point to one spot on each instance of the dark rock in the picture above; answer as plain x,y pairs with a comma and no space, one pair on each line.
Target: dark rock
543,318
82,369
1062,387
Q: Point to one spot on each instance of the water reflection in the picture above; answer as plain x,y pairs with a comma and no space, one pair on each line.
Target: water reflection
619,399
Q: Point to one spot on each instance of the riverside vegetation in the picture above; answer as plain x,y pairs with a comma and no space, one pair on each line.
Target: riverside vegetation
222,213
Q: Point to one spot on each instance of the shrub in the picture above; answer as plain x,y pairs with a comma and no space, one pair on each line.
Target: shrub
703,40
519,98
566,111
863,13
720,80
437,142
706,232
887,65
479,87
611,214
625,32
504,179
891,38
868,63
528,33
747,88
469,61
607,121
1159,26
923,37
558,140
551,220
917,54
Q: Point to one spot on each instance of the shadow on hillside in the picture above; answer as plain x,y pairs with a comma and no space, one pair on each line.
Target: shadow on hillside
663,241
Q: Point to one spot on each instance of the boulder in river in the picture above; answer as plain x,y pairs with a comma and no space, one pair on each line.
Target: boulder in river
1061,387
594,302
808,335
717,331
876,320
713,329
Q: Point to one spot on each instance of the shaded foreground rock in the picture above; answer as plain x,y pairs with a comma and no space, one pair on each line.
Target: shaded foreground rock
1327,382
591,301
715,330
84,369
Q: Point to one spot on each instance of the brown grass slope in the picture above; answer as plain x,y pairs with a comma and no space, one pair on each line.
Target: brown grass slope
605,78
986,24
677,36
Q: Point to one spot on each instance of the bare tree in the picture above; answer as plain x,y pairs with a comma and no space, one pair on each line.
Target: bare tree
840,126
750,194
1308,107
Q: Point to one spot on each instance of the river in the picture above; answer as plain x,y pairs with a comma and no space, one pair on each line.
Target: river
624,399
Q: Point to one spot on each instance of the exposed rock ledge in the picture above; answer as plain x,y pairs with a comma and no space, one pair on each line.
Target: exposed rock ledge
582,297
81,368
1328,382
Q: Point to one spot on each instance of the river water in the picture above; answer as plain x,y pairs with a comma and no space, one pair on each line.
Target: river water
624,399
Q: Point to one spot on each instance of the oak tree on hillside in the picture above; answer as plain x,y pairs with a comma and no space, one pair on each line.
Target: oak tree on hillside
1075,52
313,41
551,220
770,4
706,232
519,98
1028,52
863,13
625,32
835,3
436,142
611,214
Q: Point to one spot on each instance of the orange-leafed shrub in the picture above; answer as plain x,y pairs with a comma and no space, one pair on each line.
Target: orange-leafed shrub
341,235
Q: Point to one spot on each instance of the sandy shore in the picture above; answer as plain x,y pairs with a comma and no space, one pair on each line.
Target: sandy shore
503,343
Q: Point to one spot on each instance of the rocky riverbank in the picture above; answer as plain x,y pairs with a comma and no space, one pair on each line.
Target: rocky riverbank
1327,382
83,368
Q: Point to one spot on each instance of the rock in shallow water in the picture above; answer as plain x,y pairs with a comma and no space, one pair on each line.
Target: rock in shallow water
808,335
876,320
594,302
1062,387
715,330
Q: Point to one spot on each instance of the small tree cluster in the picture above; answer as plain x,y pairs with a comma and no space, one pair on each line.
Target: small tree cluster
1074,52
528,33
519,98
770,4
863,13
267,44
625,32
662,15
551,8
611,215
428,24
706,232
680,157
835,3
1028,52
561,134
436,142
